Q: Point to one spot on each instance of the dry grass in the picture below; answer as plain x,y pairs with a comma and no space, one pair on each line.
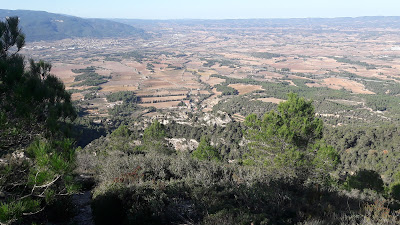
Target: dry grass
245,88
203,92
238,117
339,83
63,71
161,105
345,102
76,96
167,98
160,92
207,73
209,103
211,80
116,88
272,100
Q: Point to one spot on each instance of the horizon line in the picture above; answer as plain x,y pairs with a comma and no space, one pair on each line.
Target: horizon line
250,18
239,18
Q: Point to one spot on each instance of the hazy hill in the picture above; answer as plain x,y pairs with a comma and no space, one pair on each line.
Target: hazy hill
40,25
314,23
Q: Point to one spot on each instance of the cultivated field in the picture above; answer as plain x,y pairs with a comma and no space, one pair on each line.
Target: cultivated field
184,62
245,88
272,100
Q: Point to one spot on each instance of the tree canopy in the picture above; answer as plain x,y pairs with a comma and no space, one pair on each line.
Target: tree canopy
32,100
32,104
205,151
289,137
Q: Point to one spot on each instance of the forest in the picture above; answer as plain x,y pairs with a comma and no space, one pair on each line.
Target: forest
283,164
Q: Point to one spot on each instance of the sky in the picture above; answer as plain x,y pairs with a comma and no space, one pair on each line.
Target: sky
210,9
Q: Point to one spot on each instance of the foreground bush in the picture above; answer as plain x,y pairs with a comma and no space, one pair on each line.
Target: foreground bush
39,184
157,188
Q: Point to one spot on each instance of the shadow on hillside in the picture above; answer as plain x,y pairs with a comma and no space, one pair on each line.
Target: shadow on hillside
85,134
275,202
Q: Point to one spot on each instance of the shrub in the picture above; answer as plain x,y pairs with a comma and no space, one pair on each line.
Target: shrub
205,151
394,190
366,179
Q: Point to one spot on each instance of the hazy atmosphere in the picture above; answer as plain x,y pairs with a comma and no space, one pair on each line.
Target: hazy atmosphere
210,9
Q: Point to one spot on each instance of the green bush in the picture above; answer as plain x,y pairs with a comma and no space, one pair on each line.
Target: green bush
13,210
41,182
226,90
365,179
205,151
125,96
394,190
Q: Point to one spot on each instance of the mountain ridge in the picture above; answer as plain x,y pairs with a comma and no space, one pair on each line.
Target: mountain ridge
352,22
44,26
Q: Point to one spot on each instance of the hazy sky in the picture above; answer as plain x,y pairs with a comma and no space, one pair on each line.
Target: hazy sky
210,9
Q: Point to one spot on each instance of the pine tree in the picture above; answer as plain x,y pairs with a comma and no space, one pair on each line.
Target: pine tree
32,102
290,138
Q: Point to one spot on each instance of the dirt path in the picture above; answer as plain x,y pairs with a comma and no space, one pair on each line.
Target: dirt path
82,203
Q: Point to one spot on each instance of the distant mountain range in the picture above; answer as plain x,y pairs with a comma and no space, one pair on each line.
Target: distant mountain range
348,22
40,25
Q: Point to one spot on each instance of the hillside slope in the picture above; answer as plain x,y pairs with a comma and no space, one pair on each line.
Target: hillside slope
40,25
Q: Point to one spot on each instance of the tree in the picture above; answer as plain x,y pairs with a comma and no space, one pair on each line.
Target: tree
325,160
394,188
205,151
289,138
154,133
365,179
154,138
120,139
32,103
10,36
